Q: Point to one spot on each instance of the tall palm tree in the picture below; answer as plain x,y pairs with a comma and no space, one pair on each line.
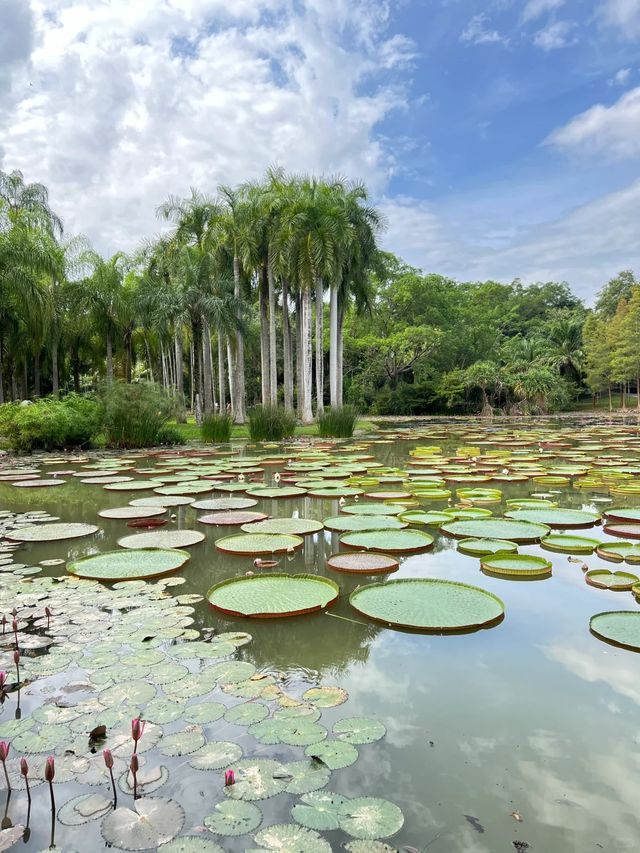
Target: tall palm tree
28,204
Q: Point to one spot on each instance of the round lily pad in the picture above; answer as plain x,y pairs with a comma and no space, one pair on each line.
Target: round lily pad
291,838
162,500
215,755
359,730
428,604
84,808
631,513
204,713
273,595
373,509
224,504
569,544
419,516
346,523
162,539
619,551
246,713
516,565
277,492
254,544
496,528
295,526
50,532
484,547
153,821
190,844
605,579
320,810
130,564
363,563
231,518
393,541
125,512
620,628
626,531
556,517
333,754
233,818
182,743
306,776
371,818
325,697
256,779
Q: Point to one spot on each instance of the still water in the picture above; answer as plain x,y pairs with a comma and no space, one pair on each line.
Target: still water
527,733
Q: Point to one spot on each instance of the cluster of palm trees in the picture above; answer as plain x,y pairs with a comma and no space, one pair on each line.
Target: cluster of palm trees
276,255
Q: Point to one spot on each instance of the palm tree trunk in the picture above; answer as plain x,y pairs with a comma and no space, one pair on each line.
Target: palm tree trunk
213,371
1,372
287,348
109,357
221,375
340,365
197,357
263,299
333,345
55,346
610,401
273,353
36,374
207,377
238,380
192,362
177,341
149,359
307,372
299,336
319,347
75,363
232,375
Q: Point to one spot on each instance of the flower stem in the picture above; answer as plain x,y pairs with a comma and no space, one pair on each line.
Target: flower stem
53,815
6,775
113,785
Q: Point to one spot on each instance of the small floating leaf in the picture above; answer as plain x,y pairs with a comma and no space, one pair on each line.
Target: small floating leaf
256,780
320,810
291,838
334,754
215,755
359,730
233,818
371,818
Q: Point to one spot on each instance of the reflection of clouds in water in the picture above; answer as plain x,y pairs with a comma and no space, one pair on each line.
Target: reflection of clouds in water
476,747
548,745
617,668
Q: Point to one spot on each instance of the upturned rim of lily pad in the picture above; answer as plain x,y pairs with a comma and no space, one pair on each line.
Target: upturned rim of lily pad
321,603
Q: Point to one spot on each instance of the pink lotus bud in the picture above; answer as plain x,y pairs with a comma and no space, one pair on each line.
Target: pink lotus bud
14,625
16,657
134,765
49,769
47,612
14,613
3,679
4,750
137,728
108,758
229,778
24,767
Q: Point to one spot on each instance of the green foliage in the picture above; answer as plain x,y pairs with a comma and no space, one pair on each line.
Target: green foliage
337,422
216,428
271,423
418,398
51,423
135,415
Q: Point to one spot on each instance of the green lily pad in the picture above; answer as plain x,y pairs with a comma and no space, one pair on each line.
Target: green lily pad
359,730
291,838
256,779
369,847
427,604
162,711
190,844
565,543
277,492
626,531
496,528
84,808
333,754
149,779
346,523
292,526
162,539
162,500
325,697
620,628
182,743
516,565
619,551
556,517
131,564
224,504
231,671
419,516
153,821
320,810
50,532
306,776
247,713
233,818
232,518
631,513
393,541
124,512
134,692
255,544
373,509
604,579
204,713
363,563
484,547
273,595
215,755
371,818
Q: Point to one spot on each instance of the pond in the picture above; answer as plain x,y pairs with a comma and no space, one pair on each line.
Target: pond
522,735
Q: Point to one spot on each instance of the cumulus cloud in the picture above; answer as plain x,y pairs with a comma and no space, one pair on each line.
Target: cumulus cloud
132,101
535,8
621,77
624,15
478,31
612,132
554,36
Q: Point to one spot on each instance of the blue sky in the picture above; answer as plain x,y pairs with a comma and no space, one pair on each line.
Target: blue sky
501,139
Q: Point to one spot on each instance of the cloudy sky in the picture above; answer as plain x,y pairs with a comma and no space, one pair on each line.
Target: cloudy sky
500,137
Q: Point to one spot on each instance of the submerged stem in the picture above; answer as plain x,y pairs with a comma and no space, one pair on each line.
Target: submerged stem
53,815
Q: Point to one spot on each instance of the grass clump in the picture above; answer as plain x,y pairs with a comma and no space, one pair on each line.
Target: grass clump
271,423
136,415
338,422
51,423
216,428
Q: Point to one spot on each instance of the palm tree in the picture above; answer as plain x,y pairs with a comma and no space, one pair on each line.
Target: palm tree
102,291
28,204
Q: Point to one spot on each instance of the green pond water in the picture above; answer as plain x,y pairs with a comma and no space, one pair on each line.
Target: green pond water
525,733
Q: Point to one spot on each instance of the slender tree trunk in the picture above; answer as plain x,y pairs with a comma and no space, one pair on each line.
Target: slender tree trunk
109,357
191,374
55,372
212,368
333,344
149,359
319,347
25,379
14,383
1,372
307,366
36,374
287,348
221,375
75,366
610,400
238,380
207,374
232,376
340,356
299,338
163,362
638,391
177,345
127,357
263,300
273,352
197,357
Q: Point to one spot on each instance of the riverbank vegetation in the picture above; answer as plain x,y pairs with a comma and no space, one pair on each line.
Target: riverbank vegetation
277,294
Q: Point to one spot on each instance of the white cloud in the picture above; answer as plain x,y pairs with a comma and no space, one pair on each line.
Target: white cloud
132,101
624,15
621,77
554,36
535,8
477,32
613,132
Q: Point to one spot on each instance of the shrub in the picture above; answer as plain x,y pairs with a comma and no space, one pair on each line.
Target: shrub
271,423
51,423
169,434
338,422
135,415
216,428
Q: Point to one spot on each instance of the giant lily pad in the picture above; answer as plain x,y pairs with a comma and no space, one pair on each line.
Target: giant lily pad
556,517
253,544
631,514
484,547
604,579
373,509
428,604
393,541
278,492
516,565
224,504
618,627
346,523
294,526
162,539
496,528
619,551
626,531
129,564
154,821
273,595
363,563
569,544
125,512
231,518
50,532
